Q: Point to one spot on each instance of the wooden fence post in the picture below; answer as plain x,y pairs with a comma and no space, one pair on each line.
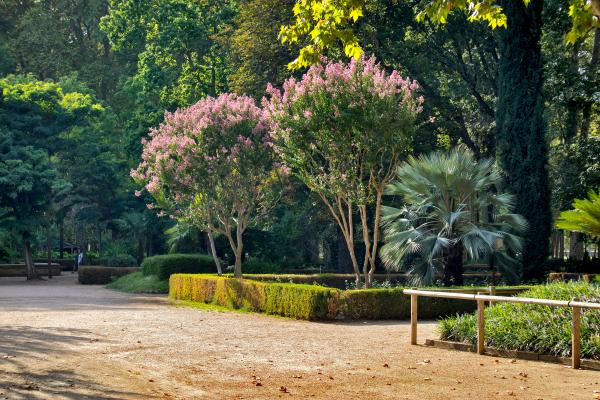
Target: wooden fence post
492,293
480,326
413,318
575,339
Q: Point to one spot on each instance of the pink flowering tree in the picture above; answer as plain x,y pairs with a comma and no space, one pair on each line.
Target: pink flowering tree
212,165
343,129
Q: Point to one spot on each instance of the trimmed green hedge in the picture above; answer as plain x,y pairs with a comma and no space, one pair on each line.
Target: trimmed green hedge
308,301
288,300
94,275
536,328
393,304
164,266
338,281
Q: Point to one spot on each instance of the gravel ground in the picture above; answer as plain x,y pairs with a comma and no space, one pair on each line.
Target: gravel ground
61,340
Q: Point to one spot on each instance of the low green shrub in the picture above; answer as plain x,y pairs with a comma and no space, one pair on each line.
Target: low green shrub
308,301
534,328
338,281
393,304
121,260
164,266
288,300
257,266
138,283
94,275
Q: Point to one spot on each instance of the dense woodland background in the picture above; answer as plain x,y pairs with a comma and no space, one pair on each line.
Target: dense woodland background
103,72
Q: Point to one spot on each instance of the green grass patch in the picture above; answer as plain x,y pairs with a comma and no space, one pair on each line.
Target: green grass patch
138,283
536,328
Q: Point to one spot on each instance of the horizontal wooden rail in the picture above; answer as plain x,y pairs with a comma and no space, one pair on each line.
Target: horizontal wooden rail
480,298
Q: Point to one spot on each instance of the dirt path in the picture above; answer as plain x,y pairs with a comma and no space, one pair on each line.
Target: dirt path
60,340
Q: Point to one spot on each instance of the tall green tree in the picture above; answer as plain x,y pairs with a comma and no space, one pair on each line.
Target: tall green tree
521,132
33,114
257,55
176,45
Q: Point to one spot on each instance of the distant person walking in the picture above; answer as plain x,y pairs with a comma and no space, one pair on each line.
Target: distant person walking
78,261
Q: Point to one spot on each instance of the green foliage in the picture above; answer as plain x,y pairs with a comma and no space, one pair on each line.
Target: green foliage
522,146
258,57
137,282
121,260
452,207
327,23
164,265
176,45
575,170
93,275
584,218
257,266
288,300
393,304
307,301
535,328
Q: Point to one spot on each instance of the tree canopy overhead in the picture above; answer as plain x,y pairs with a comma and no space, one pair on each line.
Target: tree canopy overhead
326,22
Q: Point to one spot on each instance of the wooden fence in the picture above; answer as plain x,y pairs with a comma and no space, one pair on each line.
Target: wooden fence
575,306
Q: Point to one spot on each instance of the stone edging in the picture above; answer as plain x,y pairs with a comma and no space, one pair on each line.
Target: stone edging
517,354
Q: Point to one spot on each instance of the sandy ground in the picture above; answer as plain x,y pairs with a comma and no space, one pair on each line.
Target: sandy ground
60,340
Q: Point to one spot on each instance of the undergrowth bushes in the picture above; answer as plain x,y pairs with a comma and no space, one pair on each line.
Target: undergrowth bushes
534,328
307,301
94,275
165,265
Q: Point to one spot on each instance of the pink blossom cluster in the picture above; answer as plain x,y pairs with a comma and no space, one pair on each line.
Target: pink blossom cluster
337,77
215,134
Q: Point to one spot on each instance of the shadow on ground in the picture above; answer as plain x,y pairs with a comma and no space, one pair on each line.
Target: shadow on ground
25,350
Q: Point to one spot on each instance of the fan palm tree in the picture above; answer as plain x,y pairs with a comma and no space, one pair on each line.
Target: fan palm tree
585,217
452,211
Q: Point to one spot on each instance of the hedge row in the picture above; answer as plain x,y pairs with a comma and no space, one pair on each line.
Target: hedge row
95,275
289,300
165,265
308,301
339,281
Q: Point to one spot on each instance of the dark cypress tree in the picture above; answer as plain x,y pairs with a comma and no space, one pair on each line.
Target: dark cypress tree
521,143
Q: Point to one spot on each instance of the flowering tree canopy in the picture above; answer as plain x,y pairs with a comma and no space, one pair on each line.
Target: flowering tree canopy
343,129
212,164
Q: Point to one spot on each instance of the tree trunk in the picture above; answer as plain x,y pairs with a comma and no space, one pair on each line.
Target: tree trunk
61,239
213,251
342,212
521,142
237,272
49,253
237,246
453,266
576,249
99,241
29,264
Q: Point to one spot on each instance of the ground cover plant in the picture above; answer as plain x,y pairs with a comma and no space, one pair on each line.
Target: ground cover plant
137,282
534,328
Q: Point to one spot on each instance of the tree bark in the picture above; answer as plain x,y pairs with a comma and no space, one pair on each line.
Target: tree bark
213,251
29,264
576,249
49,253
62,237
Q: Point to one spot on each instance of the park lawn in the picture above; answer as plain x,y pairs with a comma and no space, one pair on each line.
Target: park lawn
138,283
